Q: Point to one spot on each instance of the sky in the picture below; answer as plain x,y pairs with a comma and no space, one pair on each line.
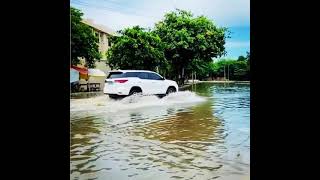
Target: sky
119,14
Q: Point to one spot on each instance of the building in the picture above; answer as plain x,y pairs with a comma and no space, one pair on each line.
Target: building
103,33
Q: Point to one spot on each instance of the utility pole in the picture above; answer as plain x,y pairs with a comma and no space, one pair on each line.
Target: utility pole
224,72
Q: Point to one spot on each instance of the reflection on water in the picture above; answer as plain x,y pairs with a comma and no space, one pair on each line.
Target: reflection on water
184,126
183,136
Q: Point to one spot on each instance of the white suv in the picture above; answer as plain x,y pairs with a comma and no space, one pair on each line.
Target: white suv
127,82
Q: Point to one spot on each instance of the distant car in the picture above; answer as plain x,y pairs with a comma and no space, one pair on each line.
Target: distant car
121,83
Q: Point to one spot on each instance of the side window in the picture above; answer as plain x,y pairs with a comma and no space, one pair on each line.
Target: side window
154,76
143,75
131,74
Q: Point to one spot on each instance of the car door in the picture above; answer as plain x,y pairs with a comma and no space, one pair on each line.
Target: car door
156,83
144,83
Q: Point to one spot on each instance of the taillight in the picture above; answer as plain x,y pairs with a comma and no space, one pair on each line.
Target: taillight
121,80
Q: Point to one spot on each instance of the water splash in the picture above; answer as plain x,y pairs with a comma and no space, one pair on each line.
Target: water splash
103,104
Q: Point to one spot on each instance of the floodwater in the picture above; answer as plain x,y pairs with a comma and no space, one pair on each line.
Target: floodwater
202,133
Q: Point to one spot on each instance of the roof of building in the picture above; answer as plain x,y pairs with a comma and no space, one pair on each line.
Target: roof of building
100,27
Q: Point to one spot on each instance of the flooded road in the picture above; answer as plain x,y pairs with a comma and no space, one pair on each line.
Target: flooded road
203,133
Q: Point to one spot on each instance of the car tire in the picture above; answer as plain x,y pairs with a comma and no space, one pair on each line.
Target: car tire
134,91
171,90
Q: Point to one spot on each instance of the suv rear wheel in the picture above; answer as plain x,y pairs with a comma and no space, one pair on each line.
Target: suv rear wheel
134,91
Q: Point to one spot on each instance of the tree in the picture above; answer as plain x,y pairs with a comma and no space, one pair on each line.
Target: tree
83,41
248,56
136,49
248,64
213,70
190,41
242,58
238,70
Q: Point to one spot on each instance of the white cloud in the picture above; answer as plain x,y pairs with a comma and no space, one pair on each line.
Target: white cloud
237,44
117,20
146,12
223,12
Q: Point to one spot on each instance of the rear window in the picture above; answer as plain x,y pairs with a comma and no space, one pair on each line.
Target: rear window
115,75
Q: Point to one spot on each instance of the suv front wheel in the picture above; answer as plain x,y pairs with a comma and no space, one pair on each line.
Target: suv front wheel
171,90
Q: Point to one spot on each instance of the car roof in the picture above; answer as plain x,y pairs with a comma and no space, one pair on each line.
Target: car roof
124,71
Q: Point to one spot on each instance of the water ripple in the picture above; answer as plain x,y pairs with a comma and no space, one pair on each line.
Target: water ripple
183,136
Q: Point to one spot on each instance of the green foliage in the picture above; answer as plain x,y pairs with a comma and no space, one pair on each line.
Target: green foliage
238,69
136,49
190,42
241,58
83,41
248,63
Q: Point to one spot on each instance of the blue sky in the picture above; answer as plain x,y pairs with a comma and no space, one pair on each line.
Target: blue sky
119,14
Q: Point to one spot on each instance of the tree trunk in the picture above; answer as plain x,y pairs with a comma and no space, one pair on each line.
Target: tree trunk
192,78
182,76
